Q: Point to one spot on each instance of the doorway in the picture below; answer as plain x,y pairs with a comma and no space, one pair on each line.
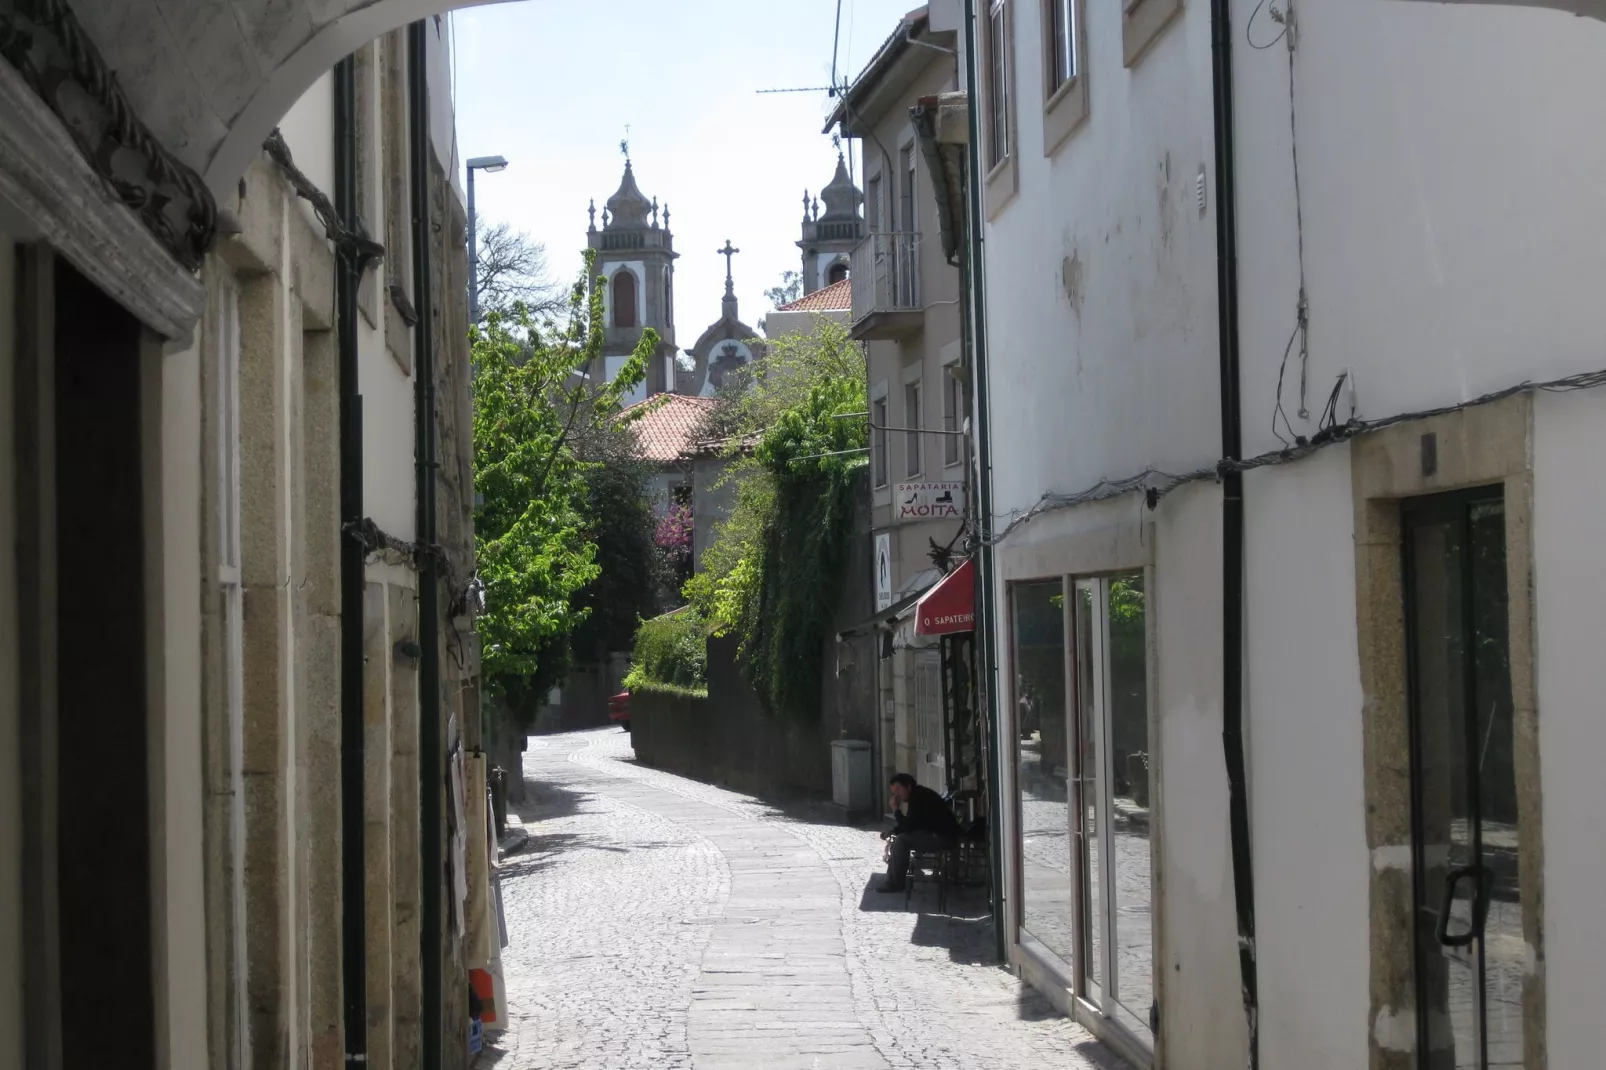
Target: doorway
1114,864
1470,952
931,750
1085,868
103,878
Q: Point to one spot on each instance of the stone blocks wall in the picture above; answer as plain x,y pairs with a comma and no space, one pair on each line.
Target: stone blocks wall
730,740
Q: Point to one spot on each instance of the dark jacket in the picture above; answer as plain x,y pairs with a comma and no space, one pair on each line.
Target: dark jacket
927,812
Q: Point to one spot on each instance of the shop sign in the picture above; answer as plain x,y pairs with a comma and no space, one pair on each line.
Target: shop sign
929,501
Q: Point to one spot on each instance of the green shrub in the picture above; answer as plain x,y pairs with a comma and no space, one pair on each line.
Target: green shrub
671,654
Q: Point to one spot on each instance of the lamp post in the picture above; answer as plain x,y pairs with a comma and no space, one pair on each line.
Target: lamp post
478,163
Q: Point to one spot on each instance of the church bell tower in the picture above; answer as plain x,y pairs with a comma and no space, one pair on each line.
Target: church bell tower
829,239
636,263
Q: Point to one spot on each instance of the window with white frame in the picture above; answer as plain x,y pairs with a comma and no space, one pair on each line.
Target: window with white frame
998,83
1062,36
911,420
907,206
953,415
1065,95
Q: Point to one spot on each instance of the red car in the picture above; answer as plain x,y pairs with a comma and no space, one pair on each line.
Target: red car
619,709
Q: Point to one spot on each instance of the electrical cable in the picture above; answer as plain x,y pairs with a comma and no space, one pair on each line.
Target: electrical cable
836,42
1301,331
1157,483
1249,27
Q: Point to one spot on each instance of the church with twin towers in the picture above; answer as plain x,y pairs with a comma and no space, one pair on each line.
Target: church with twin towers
636,256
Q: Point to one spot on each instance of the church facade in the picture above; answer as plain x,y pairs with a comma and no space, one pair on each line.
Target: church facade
636,268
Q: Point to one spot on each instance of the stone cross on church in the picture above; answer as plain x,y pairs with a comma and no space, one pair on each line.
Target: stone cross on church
730,283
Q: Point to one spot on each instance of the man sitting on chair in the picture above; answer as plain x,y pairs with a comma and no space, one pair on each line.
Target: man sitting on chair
923,822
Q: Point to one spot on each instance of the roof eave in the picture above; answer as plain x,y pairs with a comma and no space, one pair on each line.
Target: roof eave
912,30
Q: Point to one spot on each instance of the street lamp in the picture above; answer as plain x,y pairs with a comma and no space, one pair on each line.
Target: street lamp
478,163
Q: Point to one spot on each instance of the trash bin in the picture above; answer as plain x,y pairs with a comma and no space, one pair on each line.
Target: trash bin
850,774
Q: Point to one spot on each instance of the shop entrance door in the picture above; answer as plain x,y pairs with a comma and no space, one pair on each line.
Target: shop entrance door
1114,868
1470,951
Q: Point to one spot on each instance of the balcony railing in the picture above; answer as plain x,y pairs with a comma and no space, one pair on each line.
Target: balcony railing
886,275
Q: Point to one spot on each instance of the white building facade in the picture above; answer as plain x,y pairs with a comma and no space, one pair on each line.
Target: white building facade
1412,595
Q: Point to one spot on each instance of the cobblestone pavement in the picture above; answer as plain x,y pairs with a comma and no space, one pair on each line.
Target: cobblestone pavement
657,921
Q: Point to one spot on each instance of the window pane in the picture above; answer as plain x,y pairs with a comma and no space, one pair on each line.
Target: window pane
906,191
998,83
1447,978
911,416
1505,950
1043,781
1091,943
879,418
950,417
1470,969
1060,70
1128,697
1063,40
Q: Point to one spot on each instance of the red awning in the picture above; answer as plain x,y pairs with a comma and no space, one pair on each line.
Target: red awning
950,605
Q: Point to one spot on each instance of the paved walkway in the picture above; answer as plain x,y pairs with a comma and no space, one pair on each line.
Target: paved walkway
660,922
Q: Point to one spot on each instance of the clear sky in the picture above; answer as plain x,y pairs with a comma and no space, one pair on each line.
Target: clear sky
552,85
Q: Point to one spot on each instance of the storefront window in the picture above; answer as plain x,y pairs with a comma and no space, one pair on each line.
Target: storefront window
1044,767
1084,858
1127,696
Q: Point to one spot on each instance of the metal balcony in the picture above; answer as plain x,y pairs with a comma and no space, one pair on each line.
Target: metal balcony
885,269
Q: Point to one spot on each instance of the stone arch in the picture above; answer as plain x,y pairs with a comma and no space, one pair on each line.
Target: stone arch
215,116
361,21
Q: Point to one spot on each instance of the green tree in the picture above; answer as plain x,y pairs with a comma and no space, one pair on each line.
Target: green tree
533,407
620,524
512,268
790,289
773,573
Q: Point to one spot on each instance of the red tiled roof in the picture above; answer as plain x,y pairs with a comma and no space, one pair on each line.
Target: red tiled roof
837,297
668,425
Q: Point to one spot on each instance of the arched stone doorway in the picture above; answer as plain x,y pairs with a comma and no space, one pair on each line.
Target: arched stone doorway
211,80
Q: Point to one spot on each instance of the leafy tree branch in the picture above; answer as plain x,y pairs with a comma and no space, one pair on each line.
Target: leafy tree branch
534,538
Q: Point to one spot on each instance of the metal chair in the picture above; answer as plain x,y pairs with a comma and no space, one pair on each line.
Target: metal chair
941,863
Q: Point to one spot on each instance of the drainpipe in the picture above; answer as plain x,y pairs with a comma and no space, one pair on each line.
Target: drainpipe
431,776
986,608
1232,521
348,275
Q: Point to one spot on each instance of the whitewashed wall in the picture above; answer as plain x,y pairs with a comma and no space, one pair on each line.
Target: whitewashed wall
309,129
1307,777
1453,229
389,474
1121,372
1570,601
1102,342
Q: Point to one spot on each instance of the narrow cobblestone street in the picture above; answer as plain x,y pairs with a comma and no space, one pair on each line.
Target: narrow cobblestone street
659,922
